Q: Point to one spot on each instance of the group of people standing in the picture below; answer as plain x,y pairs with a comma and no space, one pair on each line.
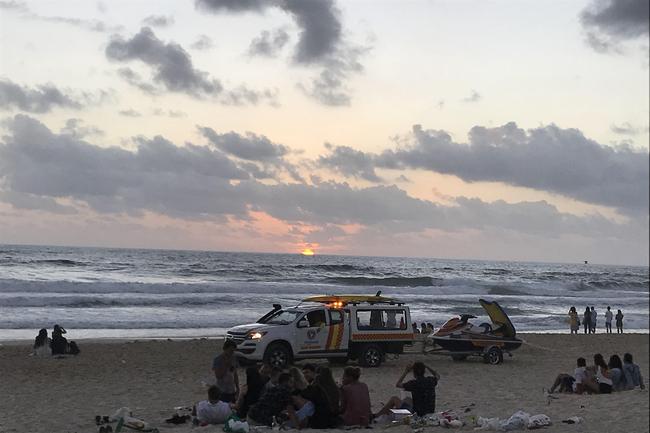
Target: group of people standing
602,377
305,397
589,320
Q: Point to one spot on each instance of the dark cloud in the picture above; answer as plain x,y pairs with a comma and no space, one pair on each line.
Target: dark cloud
251,147
268,44
172,65
473,97
90,25
158,21
609,22
40,99
561,161
39,168
174,71
350,162
202,42
320,43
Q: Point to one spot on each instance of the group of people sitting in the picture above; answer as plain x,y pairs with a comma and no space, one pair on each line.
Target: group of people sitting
306,396
57,345
601,377
425,328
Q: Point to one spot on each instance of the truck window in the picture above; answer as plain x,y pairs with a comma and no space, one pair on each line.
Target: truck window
336,317
316,318
381,319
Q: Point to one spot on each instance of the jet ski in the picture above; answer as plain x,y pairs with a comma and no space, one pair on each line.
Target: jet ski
459,338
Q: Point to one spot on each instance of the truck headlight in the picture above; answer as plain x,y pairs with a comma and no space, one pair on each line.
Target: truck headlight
255,335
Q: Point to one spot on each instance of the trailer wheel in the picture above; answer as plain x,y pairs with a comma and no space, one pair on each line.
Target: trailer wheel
371,355
493,356
458,357
278,355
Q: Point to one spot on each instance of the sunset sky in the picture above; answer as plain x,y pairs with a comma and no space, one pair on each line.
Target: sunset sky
514,130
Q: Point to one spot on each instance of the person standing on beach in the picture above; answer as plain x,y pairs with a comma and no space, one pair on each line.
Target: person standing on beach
619,322
225,371
574,321
586,320
592,327
608,320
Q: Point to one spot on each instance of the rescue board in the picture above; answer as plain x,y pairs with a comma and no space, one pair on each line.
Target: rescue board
350,299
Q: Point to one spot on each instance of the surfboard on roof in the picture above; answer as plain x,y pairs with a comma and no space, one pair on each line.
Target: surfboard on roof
347,299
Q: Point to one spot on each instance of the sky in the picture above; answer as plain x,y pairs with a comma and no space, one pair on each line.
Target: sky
499,130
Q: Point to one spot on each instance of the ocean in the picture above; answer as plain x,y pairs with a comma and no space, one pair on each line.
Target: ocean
133,293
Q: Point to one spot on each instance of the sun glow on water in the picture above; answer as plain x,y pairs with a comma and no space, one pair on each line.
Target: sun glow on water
307,252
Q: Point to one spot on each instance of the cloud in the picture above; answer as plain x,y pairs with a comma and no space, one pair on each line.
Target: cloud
130,113
158,21
202,43
172,65
626,128
268,44
76,128
473,97
609,22
169,113
549,158
320,43
40,99
174,71
193,181
90,25
350,162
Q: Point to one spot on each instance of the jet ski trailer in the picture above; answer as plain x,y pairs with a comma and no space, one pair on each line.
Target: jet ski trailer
459,338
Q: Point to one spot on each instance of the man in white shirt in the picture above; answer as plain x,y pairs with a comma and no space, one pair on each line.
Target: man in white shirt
608,319
213,410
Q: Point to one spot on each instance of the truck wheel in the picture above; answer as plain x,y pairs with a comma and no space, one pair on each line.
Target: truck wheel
278,355
493,356
371,356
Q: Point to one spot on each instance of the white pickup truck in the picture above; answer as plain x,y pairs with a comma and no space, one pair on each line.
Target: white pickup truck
338,328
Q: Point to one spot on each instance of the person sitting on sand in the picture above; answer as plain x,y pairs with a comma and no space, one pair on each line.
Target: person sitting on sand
355,399
299,413
309,372
254,388
272,402
619,322
603,375
326,381
615,367
272,374
422,388
321,415
224,367
59,343
213,410
632,373
299,381
42,344
580,382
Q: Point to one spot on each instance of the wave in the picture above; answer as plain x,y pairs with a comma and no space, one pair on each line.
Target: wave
387,281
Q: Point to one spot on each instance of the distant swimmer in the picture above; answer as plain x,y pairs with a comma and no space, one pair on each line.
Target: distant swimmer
586,262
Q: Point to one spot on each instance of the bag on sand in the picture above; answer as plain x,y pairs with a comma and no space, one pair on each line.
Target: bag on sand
234,425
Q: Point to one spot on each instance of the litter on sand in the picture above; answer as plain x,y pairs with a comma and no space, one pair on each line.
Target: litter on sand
518,421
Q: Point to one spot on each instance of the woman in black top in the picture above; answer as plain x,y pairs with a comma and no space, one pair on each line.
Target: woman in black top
254,387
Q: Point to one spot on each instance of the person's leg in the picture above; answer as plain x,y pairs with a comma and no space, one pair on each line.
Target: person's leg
558,381
393,403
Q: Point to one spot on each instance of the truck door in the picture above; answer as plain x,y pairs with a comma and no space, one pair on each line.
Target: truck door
339,331
312,331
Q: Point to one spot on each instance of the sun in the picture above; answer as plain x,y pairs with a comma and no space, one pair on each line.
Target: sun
307,252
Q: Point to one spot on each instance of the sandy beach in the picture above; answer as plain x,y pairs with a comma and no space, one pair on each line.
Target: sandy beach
152,377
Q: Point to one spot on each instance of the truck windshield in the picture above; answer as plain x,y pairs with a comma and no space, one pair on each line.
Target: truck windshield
282,317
